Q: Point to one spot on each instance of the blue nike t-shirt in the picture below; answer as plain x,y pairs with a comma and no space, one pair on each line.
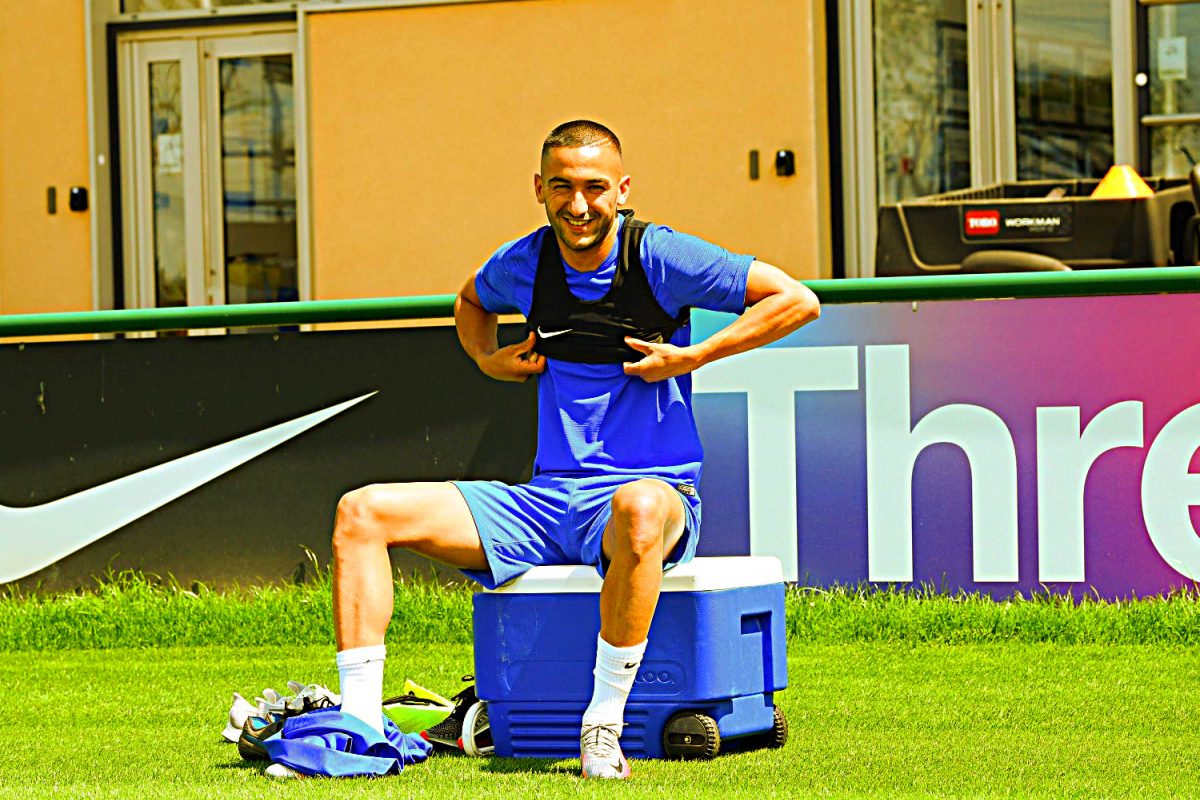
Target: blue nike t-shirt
593,418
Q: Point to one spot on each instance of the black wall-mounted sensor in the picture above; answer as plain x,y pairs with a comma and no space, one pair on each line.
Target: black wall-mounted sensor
77,200
785,163
51,200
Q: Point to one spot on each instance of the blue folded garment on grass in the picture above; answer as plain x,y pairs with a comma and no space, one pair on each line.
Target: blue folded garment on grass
329,743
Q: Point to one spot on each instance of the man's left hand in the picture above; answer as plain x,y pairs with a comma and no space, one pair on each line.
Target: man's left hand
662,361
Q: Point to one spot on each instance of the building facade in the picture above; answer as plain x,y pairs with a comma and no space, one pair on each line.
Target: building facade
190,152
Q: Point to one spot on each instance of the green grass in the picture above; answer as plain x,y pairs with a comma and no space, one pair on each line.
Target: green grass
925,616
874,720
132,610
121,691
129,609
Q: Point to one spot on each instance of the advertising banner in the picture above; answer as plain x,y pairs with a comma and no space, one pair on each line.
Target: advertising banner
217,458
989,445
994,446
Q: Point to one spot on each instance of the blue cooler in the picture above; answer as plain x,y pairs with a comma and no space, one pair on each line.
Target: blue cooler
716,656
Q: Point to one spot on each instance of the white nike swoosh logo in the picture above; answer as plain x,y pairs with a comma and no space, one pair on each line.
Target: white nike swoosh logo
549,334
35,537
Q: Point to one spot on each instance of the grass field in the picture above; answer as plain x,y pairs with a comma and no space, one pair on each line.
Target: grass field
891,696
1014,720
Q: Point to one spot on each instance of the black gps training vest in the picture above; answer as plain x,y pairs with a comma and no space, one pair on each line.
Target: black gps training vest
593,332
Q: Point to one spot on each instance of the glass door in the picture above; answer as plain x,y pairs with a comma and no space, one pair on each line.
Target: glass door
922,103
252,161
908,109
1063,88
1171,129
210,171
162,177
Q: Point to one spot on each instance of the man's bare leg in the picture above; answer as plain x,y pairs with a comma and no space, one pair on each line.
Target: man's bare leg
647,522
431,519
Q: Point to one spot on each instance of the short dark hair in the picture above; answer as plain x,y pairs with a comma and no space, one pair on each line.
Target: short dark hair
580,133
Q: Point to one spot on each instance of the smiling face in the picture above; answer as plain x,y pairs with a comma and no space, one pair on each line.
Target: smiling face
582,189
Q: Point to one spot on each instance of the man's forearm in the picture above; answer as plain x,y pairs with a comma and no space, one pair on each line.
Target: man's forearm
767,320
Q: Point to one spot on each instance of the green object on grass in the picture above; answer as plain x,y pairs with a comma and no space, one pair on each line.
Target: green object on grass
417,690
418,709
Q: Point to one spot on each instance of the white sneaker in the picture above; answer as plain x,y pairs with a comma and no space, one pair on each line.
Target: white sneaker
305,699
239,712
281,771
600,752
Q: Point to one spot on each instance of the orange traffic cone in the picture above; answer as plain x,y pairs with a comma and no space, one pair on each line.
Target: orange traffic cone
1122,183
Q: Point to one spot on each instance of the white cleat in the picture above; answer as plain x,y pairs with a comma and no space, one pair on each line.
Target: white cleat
600,752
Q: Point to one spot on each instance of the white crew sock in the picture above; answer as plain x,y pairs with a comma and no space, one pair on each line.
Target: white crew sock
616,667
360,676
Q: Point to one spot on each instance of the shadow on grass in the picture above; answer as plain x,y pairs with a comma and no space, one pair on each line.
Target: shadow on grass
543,766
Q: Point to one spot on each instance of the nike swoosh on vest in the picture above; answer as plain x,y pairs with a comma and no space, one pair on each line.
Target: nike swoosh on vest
35,537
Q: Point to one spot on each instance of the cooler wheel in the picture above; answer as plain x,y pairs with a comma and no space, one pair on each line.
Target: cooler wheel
691,735
779,731
775,737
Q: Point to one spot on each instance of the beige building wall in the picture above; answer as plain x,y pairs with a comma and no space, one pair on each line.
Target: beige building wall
45,260
426,124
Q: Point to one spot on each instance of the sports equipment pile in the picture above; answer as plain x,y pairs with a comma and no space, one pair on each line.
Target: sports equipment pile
437,720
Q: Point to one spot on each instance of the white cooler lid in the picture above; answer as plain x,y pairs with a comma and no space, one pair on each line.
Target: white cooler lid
707,574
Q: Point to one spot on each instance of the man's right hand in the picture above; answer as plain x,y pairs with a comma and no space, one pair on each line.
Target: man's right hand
513,363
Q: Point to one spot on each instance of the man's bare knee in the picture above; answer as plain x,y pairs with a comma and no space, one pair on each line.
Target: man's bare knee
640,511
358,520
642,501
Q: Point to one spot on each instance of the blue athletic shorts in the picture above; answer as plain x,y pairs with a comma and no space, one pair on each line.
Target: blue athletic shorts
556,520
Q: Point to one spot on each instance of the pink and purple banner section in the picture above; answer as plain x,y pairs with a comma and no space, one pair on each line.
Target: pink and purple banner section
993,446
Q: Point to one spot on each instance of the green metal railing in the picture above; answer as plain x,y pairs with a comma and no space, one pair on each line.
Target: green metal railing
1156,280
244,315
